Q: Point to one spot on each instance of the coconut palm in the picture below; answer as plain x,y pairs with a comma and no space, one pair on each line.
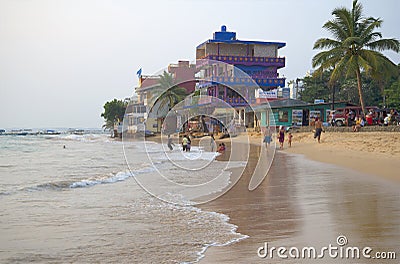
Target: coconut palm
355,48
169,93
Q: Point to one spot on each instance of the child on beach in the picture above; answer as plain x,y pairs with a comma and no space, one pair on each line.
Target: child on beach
290,136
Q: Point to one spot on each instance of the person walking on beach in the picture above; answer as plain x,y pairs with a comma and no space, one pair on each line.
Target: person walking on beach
281,136
267,138
318,129
290,136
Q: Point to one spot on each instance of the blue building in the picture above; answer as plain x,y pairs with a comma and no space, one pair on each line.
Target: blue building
222,62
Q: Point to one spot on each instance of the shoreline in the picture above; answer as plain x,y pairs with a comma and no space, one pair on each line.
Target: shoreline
278,210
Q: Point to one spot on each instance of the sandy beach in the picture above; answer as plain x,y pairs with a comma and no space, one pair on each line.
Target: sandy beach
346,185
373,153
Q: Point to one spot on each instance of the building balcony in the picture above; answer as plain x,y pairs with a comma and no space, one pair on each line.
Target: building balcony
247,60
233,81
233,101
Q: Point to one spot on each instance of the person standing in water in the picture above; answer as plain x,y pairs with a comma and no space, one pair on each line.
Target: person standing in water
184,143
212,143
169,144
189,144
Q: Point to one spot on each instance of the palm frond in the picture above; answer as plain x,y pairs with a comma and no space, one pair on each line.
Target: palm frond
343,19
337,30
326,43
385,44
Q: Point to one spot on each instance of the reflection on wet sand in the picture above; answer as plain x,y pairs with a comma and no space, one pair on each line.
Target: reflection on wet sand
305,203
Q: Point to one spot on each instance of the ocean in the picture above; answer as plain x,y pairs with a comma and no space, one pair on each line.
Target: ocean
83,203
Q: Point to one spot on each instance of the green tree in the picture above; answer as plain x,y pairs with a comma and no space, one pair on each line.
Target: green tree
355,47
392,95
113,111
315,87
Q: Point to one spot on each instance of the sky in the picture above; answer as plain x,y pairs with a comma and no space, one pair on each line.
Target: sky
61,60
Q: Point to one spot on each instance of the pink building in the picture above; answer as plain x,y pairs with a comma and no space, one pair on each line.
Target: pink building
182,73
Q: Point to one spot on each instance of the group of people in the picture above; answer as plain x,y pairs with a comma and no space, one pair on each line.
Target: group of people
281,134
186,144
280,137
381,118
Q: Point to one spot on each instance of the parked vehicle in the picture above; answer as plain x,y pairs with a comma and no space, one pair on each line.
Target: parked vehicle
341,116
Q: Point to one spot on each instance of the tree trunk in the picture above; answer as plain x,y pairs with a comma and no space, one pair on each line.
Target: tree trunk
333,97
360,92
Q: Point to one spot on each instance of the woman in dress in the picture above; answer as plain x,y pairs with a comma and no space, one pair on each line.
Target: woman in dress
281,136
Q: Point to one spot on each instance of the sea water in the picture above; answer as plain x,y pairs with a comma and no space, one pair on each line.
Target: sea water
72,198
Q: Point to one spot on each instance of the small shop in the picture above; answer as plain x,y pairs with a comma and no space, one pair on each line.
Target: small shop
291,112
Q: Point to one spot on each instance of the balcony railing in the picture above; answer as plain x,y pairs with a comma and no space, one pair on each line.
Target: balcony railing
273,82
248,60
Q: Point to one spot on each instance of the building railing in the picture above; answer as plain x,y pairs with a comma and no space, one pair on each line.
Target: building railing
248,60
274,82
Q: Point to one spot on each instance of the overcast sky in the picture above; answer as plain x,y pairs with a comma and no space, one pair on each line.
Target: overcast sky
61,60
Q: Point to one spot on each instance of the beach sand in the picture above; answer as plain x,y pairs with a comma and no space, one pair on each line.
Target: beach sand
373,153
346,185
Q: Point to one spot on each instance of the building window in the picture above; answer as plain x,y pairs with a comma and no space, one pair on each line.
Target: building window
283,116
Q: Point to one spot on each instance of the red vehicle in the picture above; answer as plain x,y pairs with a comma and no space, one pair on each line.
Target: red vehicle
341,116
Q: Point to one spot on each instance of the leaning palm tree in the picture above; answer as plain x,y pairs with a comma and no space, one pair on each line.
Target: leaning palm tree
169,93
355,48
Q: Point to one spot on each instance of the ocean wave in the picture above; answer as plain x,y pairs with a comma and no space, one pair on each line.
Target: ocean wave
81,138
89,182
120,176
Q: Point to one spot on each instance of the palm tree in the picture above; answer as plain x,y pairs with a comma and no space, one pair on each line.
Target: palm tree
169,93
356,46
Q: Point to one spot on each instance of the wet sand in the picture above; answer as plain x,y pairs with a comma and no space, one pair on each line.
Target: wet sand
305,203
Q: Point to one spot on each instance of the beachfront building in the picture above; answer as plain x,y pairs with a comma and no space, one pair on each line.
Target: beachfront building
150,88
258,59
293,112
